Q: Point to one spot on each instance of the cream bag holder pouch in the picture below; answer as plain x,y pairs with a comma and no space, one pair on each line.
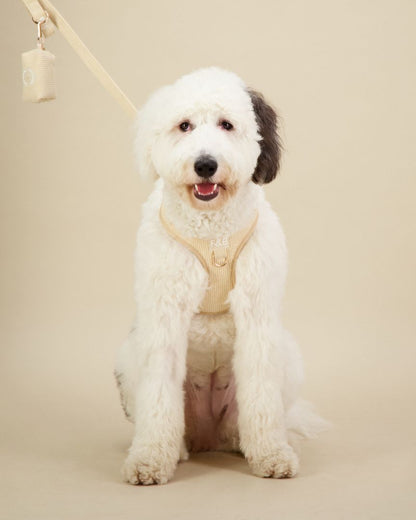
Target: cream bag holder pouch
38,70
38,75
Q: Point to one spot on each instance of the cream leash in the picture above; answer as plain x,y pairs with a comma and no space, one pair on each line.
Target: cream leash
38,72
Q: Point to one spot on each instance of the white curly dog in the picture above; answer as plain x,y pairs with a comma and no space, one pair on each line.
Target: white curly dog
208,365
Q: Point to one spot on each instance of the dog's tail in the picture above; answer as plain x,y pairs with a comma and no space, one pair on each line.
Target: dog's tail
303,422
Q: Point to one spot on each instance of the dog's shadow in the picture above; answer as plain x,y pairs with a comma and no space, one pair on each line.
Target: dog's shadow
198,464
201,463
208,462
315,459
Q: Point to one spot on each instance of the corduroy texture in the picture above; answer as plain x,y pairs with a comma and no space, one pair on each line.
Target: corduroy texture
218,257
38,76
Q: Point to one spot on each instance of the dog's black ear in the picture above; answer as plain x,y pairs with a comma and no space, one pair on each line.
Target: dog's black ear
268,162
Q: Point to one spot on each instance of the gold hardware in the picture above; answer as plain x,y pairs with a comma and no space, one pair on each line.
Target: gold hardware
221,262
39,23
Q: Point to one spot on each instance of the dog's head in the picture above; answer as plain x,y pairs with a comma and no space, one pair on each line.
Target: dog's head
207,135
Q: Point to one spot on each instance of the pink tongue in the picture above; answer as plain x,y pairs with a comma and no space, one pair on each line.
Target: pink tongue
206,188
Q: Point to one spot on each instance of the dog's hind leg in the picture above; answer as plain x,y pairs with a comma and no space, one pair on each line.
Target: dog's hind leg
124,379
124,396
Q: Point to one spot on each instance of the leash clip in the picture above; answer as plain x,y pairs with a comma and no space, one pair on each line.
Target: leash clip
40,36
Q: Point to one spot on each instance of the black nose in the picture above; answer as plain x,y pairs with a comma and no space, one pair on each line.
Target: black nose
205,166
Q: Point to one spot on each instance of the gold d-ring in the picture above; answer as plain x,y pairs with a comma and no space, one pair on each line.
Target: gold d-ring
41,20
222,261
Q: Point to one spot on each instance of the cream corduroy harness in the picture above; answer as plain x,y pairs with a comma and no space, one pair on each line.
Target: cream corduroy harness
218,257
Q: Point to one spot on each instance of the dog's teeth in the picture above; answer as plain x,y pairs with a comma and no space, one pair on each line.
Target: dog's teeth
205,188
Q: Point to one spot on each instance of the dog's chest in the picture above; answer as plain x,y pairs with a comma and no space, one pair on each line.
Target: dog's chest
210,342
218,256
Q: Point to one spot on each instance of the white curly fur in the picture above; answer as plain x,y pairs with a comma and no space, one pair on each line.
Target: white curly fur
170,341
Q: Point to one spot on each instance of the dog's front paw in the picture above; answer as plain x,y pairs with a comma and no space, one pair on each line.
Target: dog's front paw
280,463
148,466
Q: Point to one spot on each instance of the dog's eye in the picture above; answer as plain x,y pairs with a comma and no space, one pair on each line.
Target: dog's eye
185,126
226,125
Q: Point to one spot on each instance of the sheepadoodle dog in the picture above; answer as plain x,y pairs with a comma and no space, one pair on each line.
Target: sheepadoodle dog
208,364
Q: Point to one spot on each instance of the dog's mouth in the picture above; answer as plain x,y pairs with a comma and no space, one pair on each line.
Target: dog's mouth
206,190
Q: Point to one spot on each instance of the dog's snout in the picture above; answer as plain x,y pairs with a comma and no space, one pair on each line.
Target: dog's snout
205,166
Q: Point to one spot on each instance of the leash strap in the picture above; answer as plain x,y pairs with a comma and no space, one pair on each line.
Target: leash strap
37,9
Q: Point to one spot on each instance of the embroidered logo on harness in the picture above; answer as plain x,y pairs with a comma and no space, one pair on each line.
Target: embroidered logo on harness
220,242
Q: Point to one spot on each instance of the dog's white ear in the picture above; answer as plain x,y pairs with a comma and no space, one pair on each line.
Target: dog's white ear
143,147
268,162
146,127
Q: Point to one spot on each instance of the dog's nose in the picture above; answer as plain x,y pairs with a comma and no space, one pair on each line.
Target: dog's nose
205,166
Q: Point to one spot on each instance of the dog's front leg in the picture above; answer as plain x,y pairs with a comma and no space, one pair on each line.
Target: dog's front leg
259,372
157,369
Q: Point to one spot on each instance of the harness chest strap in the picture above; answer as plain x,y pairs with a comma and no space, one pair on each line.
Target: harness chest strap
218,257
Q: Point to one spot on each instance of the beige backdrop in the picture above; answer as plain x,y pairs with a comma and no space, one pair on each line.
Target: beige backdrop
342,75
